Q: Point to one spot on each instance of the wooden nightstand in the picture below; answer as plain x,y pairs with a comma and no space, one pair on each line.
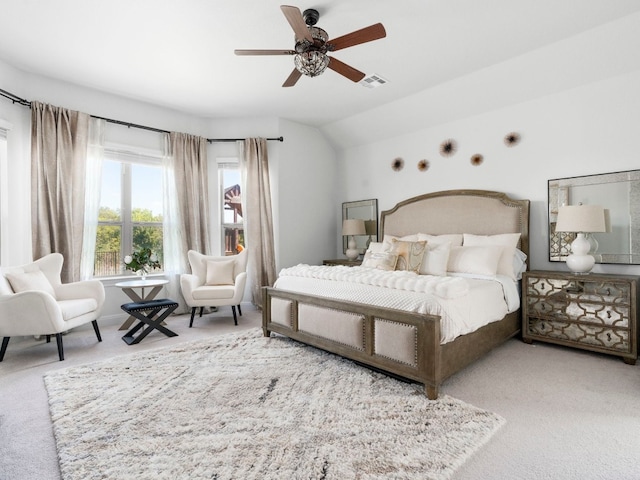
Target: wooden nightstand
596,312
343,261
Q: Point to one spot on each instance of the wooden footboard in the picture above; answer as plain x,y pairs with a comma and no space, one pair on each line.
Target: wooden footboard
400,343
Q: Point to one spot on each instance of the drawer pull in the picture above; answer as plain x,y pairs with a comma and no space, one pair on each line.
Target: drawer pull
608,336
608,313
608,291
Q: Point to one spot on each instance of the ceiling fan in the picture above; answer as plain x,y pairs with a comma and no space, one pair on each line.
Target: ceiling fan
313,43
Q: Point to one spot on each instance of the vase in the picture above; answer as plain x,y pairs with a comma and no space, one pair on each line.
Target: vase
142,274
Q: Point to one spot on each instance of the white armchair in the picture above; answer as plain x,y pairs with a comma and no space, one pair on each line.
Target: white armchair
34,301
214,282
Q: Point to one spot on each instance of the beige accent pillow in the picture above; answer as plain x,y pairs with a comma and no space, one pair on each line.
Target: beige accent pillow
388,239
380,260
410,254
220,272
436,259
509,242
480,260
33,280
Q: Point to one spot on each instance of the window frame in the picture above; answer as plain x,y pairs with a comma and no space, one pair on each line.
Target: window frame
127,157
226,163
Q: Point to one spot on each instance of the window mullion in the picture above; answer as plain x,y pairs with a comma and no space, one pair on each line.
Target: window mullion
127,225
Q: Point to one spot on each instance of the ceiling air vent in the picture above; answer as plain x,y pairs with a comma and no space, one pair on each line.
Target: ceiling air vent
373,81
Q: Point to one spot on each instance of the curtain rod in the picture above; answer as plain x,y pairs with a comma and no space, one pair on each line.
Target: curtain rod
26,103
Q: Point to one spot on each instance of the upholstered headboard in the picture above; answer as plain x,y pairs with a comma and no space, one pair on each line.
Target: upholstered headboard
481,212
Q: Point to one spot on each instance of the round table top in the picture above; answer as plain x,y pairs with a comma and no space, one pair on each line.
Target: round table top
151,282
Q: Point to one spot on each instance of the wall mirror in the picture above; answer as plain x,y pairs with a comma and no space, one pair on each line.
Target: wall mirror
366,210
619,192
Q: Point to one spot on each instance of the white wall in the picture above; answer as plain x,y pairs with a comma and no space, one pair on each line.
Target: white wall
306,191
586,130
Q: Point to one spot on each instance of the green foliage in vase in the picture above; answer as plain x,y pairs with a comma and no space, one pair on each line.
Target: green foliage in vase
142,260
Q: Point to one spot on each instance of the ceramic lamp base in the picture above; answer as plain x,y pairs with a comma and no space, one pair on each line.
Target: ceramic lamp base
352,254
580,261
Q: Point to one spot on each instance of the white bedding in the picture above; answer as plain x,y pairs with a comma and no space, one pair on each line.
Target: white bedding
463,303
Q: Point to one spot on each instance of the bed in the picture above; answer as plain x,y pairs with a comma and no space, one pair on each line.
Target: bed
408,342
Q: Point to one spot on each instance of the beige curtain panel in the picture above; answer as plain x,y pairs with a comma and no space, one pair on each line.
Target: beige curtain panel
58,153
189,155
258,216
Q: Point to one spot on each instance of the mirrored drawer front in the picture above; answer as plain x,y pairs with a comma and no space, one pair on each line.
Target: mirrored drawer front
610,338
606,291
566,308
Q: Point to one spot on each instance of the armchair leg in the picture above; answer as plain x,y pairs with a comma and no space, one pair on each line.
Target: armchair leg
193,312
48,338
5,342
96,329
235,318
201,310
60,349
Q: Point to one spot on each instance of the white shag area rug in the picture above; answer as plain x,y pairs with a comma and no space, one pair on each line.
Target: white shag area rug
248,407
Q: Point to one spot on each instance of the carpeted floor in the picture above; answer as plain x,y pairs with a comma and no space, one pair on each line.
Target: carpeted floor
569,414
245,407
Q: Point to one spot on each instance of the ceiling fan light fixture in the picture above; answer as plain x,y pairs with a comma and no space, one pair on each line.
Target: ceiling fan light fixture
311,63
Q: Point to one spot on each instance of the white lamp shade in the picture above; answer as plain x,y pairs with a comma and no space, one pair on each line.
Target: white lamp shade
353,226
581,218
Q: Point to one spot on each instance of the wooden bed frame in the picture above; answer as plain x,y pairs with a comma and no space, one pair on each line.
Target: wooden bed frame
479,212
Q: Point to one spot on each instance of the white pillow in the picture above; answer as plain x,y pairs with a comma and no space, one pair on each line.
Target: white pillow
519,263
478,260
378,247
509,242
33,280
435,259
455,239
220,272
380,260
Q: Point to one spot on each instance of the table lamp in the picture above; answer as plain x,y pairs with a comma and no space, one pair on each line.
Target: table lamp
351,227
581,219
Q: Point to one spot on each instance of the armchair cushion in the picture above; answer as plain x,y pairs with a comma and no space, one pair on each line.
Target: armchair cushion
220,272
214,293
32,280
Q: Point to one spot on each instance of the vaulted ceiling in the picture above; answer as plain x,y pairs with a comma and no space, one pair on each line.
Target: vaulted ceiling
180,54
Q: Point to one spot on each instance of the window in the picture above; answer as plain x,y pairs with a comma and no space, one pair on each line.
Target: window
231,216
131,210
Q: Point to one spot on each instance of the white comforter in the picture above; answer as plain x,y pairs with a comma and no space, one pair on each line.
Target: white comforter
463,303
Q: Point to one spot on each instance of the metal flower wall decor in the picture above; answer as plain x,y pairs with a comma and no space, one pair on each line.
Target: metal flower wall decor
397,164
512,139
423,165
448,147
476,159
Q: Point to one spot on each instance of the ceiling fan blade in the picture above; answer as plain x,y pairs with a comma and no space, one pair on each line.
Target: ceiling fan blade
294,17
364,35
264,52
292,79
345,70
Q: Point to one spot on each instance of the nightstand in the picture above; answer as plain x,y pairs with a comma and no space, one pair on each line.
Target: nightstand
343,261
596,312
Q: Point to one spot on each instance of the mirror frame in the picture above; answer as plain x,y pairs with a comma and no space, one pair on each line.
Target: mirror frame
371,213
559,193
